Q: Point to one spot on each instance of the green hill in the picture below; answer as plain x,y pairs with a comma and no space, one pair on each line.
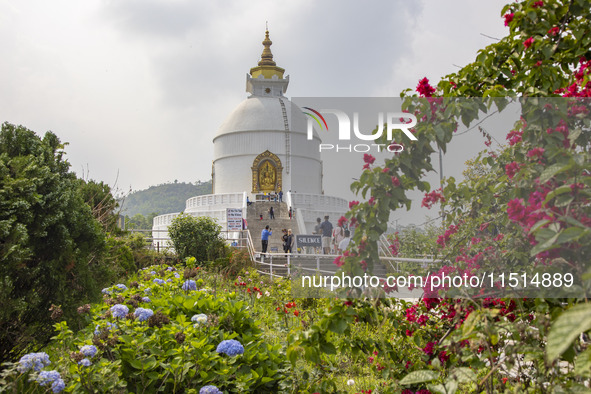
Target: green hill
161,199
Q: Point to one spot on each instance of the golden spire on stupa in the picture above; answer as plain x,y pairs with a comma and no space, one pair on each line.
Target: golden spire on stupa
267,66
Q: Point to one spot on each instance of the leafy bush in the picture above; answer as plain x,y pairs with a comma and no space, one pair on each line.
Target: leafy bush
50,244
197,237
151,335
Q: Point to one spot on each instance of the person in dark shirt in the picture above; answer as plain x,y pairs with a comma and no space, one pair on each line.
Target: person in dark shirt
326,229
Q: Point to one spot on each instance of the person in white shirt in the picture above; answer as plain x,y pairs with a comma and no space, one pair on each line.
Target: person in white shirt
345,242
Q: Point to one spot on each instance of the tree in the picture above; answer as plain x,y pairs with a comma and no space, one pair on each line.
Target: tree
99,197
197,237
49,241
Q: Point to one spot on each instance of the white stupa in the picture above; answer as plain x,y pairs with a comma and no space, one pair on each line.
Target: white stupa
262,148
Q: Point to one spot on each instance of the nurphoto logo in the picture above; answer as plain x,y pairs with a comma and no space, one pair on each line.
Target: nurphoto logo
393,121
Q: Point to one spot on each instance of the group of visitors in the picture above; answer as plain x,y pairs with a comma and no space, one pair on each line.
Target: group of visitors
287,238
334,239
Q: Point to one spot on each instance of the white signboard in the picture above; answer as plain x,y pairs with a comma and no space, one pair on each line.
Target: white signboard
234,219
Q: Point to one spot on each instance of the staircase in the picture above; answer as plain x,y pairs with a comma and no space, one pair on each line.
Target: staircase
281,221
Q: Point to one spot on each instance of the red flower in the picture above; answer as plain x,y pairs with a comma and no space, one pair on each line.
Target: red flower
395,181
514,137
536,152
342,221
339,261
429,348
424,88
511,169
538,4
372,200
432,198
554,31
353,203
409,333
296,313
515,209
443,357
508,18
528,43
369,159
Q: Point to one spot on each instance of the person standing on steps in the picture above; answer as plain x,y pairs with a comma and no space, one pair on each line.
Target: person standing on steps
289,241
284,239
290,213
271,213
326,229
265,238
280,195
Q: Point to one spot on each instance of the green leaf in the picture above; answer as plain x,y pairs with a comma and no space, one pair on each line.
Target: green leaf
570,234
568,326
583,364
552,170
421,376
464,375
558,191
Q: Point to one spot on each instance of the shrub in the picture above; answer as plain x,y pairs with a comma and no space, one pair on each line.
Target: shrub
197,237
50,244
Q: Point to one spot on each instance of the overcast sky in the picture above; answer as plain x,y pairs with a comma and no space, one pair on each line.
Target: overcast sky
138,88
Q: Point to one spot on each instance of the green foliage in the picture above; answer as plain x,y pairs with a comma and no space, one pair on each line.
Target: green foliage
197,237
164,198
49,241
99,197
140,222
167,352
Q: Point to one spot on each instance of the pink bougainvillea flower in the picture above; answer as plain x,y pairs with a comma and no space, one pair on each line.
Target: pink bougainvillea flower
424,88
528,43
395,181
508,18
369,159
553,31
536,152
353,203
511,169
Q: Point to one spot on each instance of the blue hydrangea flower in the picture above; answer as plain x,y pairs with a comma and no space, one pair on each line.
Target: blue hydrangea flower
88,350
168,280
146,299
58,385
106,291
199,319
176,275
231,347
189,285
170,269
148,291
85,362
152,272
143,314
97,329
121,287
159,281
210,390
36,361
119,310
46,377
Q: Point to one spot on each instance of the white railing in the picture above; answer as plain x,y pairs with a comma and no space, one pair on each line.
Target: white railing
319,202
209,201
